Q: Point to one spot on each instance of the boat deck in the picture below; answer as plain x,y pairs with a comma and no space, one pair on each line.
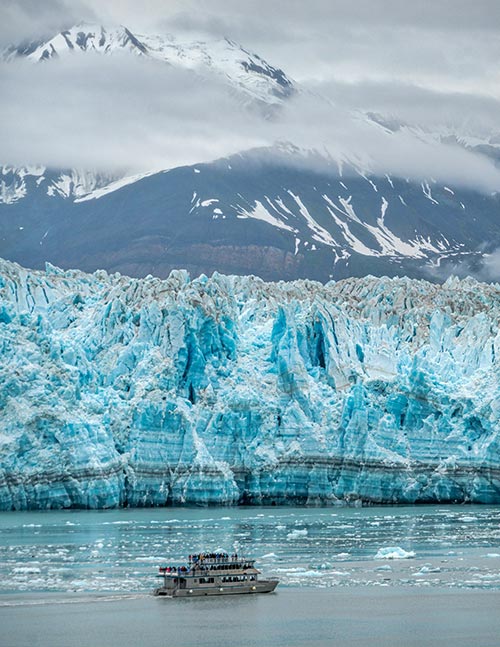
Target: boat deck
213,575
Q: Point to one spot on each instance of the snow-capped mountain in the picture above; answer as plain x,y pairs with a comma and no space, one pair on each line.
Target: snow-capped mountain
260,212
244,71
267,218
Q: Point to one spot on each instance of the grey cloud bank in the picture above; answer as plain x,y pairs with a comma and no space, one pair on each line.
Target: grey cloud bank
433,65
117,112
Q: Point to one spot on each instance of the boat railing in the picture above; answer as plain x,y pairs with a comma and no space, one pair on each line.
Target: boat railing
207,565
219,559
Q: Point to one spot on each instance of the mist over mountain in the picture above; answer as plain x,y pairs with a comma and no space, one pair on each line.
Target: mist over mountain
172,145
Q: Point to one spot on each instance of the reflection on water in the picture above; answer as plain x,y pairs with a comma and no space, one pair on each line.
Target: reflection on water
120,550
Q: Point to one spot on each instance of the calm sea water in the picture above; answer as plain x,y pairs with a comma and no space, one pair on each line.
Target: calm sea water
120,551
293,617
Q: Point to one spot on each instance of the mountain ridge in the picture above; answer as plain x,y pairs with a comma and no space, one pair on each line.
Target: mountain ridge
281,213
244,70
249,215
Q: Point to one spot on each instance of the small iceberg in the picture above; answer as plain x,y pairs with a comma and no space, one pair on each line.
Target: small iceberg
295,534
394,552
26,570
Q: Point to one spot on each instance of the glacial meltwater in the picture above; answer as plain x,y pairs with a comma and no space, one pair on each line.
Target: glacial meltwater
119,551
383,576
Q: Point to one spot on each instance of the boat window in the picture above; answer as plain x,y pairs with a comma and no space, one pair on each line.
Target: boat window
234,578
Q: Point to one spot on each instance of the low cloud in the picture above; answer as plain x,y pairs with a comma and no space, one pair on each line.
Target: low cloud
406,63
25,20
312,123
118,112
491,267
128,114
480,266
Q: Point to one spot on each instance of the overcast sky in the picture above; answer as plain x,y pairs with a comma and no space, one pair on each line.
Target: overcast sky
435,64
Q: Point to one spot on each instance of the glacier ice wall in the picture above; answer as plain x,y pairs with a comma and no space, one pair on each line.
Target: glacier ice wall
118,391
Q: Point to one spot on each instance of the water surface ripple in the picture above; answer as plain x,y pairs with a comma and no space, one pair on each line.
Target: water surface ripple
118,551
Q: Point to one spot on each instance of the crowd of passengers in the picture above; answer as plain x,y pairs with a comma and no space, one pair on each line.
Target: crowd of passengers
213,557
205,562
205,568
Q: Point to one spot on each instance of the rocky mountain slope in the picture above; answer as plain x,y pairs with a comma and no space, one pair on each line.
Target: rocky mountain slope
240,216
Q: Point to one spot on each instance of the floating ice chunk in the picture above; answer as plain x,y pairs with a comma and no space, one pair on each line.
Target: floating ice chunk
428,568
26,570
394,552
315,574
295,534
324,566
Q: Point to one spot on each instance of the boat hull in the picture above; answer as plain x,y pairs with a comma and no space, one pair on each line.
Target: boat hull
260,586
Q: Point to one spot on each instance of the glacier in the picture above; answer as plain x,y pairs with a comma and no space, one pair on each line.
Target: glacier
230,390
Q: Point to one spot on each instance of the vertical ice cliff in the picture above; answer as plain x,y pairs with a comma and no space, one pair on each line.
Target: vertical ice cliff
118,391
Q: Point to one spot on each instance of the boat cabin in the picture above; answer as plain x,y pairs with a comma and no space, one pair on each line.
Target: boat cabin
211,574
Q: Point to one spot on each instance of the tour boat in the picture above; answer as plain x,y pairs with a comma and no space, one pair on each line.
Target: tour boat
213,574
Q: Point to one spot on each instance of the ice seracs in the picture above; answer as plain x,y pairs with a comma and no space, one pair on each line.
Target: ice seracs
118,391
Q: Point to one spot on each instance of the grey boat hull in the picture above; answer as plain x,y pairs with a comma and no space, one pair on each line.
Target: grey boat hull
260,586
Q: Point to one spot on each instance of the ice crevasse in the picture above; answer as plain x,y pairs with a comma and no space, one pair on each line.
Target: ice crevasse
225,390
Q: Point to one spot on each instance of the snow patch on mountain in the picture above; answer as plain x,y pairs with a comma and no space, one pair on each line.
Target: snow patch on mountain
96,193
259,212
13,184
17,182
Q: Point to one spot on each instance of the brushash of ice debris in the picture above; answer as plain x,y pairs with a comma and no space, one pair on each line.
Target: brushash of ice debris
225,390
394,552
